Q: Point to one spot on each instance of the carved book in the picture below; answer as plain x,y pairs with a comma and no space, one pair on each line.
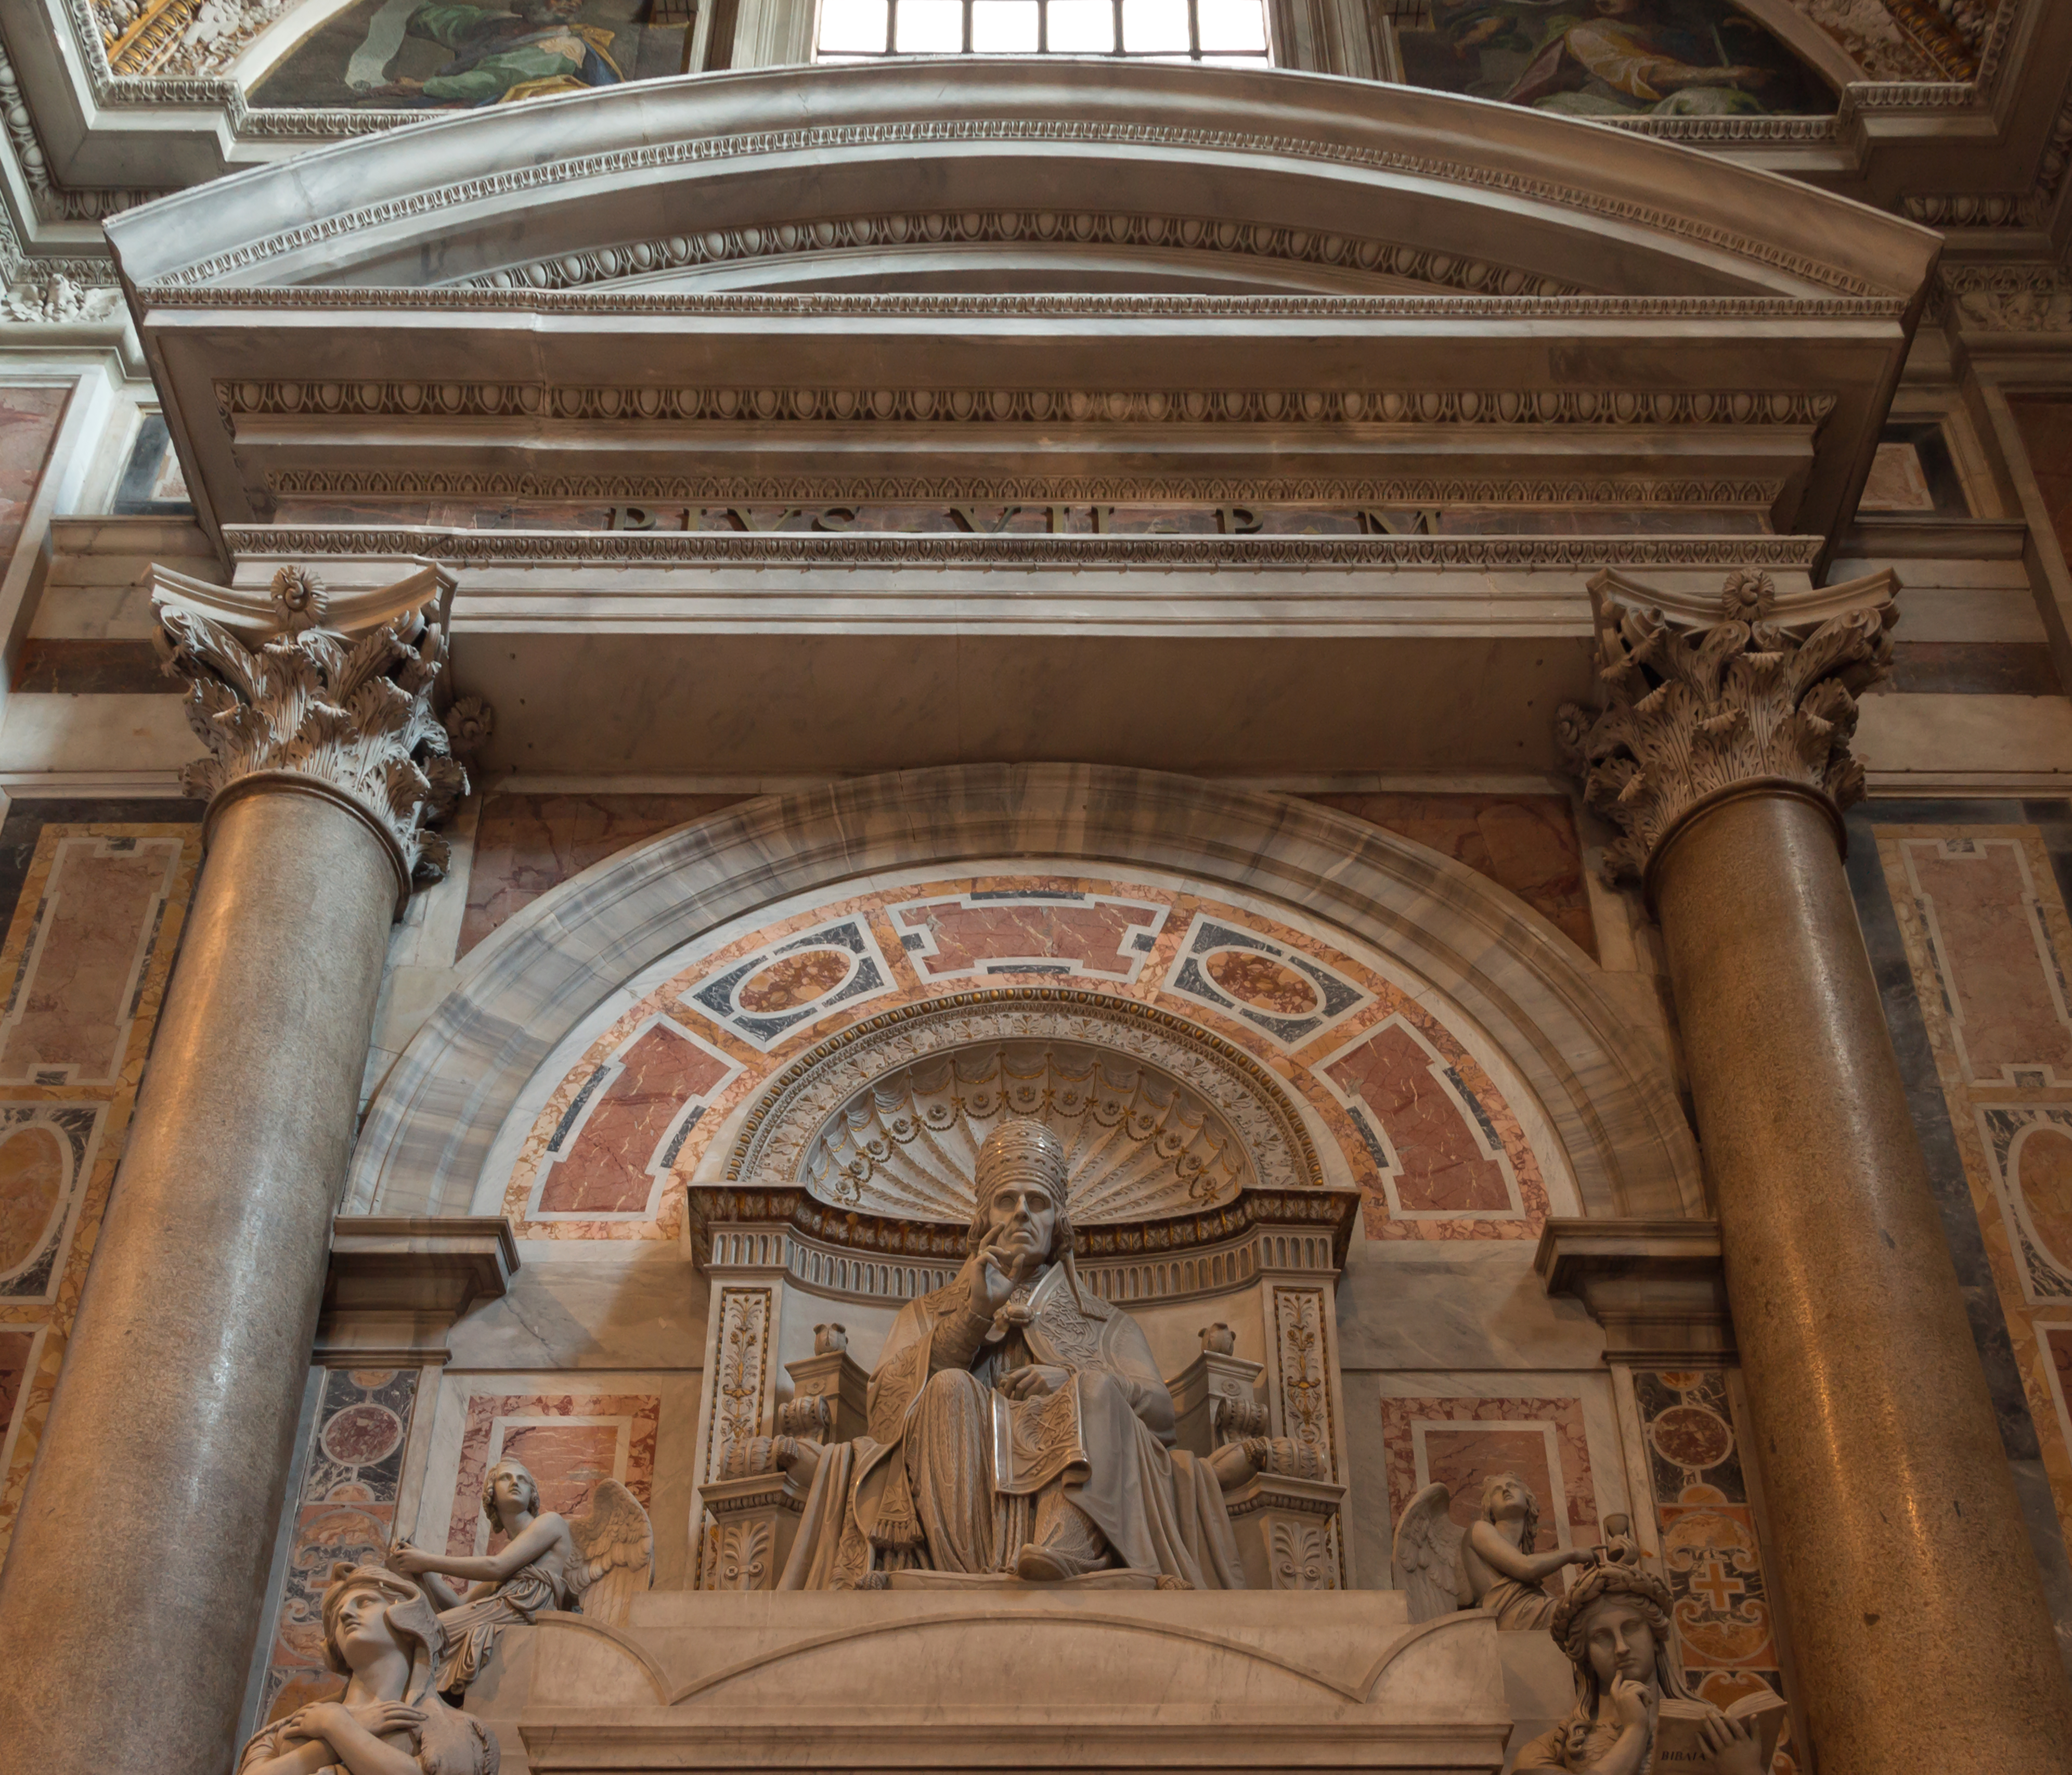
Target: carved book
1678,1744
1036,1439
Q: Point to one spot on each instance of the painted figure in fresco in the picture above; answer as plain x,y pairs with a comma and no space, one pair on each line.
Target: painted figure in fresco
1594,58
536,46
1017,1424
589,1565
1619,55
381,1635
1492,1565
1614,1625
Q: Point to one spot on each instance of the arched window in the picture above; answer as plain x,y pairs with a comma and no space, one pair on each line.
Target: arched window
1164,30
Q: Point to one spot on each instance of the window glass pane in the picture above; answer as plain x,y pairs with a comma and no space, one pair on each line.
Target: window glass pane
1004,27
930,27
855,25
1082,28
1152,25
1231,26
1233,61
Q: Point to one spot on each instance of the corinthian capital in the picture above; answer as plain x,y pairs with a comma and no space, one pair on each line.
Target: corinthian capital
283,692
1703,694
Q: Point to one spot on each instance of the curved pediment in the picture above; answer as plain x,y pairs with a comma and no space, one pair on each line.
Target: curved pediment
979,174
1185,278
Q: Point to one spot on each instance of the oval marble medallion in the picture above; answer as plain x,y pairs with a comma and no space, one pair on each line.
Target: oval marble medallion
1690,1437
31,1186
793,980
2043,1175
1262,982
361,1435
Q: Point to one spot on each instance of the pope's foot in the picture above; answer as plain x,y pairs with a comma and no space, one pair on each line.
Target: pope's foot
1041,1565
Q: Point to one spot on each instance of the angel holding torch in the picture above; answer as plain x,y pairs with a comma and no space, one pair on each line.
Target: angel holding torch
548,1562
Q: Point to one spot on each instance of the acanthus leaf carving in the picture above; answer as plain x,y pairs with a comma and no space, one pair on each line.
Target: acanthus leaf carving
1300,1555
352,713
1760,685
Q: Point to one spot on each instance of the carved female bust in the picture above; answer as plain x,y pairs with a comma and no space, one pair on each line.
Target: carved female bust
380,1634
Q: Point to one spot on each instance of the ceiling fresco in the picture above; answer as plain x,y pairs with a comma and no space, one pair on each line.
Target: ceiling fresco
1612,58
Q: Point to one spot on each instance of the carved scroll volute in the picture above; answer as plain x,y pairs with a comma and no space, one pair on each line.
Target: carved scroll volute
1704,696
335,694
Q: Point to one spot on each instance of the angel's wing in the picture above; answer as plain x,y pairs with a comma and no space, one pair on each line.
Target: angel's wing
1428,1554
615,1550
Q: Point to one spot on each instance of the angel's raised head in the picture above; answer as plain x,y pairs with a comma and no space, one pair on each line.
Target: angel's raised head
507,1491
1506,1498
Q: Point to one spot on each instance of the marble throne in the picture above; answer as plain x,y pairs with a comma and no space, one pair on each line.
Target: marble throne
1200,1211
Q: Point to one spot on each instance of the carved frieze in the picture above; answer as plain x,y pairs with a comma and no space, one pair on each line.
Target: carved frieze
947,549
349,714
645,403
1701,695
1027,484
881,233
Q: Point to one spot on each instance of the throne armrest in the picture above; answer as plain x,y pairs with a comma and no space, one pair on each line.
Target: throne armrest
810,1418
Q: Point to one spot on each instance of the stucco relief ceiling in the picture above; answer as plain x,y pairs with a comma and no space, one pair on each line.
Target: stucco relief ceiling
1906,40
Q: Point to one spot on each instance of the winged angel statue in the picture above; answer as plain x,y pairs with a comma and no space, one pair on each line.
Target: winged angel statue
593,1565
1490,1564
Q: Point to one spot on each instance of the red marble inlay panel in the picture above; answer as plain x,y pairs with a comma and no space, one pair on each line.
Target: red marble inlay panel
32,1176
605,1170
526,844
793,980
965,937
567,1441
1525,842
1262,982
1978,902
14,1346
1467,1441
1441,1166
70,1008
28,427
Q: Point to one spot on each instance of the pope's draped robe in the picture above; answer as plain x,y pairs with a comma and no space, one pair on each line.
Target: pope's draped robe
952,1476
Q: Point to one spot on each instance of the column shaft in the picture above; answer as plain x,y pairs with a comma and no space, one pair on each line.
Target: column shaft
1920,1633
136,1579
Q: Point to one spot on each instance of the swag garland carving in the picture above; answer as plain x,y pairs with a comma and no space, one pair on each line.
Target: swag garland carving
1701,696
352,712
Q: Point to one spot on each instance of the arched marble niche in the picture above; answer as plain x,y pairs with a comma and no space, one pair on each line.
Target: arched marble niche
651,997
1445,1065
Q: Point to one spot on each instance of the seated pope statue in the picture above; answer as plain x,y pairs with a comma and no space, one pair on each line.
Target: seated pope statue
1017,1425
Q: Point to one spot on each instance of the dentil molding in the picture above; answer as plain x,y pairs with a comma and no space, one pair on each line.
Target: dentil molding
646,404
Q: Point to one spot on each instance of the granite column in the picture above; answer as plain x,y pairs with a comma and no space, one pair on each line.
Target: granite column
135,1581
1916,1611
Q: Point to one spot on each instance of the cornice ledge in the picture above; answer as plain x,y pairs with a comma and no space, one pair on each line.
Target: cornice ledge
1657,1287
398,1284
474,298
1330,1213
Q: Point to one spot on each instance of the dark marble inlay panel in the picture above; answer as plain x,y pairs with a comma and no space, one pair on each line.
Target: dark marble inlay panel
1931,1110
81,668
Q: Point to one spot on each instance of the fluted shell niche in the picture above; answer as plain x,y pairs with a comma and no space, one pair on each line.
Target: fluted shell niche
1140,1144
